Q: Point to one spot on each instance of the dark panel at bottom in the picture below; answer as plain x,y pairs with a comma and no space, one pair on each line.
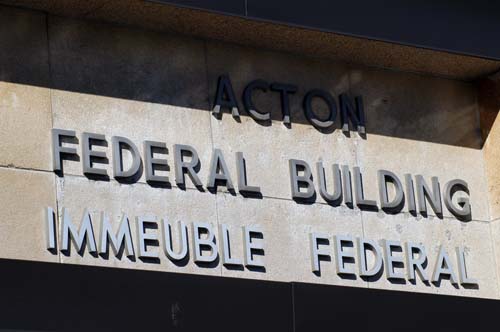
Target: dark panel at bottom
57,297
356,309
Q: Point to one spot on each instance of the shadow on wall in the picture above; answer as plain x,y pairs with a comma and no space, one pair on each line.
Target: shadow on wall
133,64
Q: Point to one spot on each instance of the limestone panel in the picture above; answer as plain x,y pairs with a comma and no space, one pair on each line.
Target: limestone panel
137,121
286,227
492,160
433,232
267,146
495,239
418,107
447,162
421,125
24,90
78,194
24,197
132,83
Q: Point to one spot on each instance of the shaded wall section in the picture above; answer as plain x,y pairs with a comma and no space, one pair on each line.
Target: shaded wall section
234,27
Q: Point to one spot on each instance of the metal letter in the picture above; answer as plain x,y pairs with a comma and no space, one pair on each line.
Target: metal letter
416,264
297,181
434,197
462,210
247,100
341,254
463,274
336,197
123,238
88,154
361,202
189,167
252,247
225,98
347,113
396,204
200,243
410,194
168,245
118,143
51,229
443,267
311,116
58,150
85,232
285,90
346,184
363,245
241,171
142,236
219,171
150,162
316,252
227,254
390,260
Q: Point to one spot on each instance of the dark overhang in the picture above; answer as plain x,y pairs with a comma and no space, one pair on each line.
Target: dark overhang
452,39
462,27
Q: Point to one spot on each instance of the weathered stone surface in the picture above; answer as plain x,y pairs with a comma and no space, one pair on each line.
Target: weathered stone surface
24,95
137,121
149,86
495,238
137,84
432,232
78,193
24,197
26,62
447,162
418,107
267,147
286,227
491,154
127,63
421,125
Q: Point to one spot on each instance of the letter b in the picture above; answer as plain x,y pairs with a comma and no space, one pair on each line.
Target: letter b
299,182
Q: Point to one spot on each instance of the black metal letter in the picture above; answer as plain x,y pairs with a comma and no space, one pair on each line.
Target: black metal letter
357,117
285,90
311,117
224,97
247,100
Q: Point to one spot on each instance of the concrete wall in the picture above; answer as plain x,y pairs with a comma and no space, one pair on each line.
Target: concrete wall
64,73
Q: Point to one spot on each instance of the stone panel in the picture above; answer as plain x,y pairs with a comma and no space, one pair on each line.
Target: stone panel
495,238
132,83
268,146
421,125
137,121
432,232
24,197
286,227
447,162
417,107
78,193
24,90
492,160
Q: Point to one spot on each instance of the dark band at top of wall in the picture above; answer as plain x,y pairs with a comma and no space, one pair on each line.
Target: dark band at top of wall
461,27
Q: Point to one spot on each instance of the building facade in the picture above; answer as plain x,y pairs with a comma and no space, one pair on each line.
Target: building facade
231,166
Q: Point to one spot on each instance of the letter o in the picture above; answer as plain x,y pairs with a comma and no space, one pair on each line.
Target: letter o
312,117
